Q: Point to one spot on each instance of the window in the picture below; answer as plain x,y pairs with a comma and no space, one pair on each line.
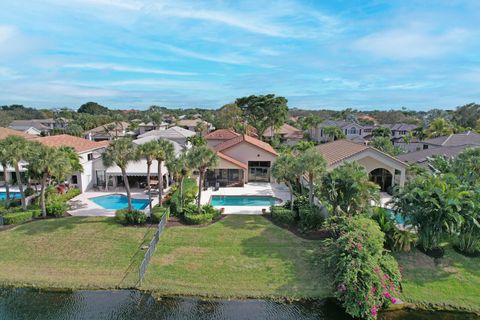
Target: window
90,156
74,179
352,131
100,176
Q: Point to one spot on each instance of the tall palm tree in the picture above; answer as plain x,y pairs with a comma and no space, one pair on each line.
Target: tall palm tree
18,149
163,152
5,162
73,159
148,150
439,127
120,152
202,158
51,162
180,167
314,165
286,169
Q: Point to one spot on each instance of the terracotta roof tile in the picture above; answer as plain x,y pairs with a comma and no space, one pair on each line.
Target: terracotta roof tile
65,140
222,134
6,132
286,130
253,141
232,160
339,150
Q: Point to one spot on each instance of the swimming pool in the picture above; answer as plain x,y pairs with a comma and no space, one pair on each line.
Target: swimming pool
119,201
397,216
243,201
13,195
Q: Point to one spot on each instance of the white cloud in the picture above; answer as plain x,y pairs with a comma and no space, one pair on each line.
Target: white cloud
122,68
412,42
226,58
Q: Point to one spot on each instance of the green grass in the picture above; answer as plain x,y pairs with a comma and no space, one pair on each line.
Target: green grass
240,256
452,282
72,253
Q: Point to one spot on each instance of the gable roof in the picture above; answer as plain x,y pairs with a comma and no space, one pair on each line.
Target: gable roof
222,134
176,147
421,157
248,139
191,122
171,133
338,123
337,151
232,160
65,140
456,139
122,125
400,126
6,132
26,124
286,130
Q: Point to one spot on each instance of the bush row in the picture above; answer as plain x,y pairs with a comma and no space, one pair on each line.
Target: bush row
207,214
20,216
304,216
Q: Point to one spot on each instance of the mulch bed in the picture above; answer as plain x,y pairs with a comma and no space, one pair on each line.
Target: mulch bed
309,235
177,222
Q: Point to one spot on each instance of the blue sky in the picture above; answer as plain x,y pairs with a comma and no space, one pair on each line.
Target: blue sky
318,54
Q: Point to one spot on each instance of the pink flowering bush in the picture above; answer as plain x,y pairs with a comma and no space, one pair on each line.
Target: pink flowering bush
366,277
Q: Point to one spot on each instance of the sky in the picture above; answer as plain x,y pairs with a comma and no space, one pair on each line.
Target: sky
318,54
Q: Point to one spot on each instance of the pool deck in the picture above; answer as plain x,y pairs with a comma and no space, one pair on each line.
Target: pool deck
279,191
82,206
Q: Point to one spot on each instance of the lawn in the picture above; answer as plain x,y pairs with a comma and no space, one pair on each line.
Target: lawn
74,252
238,257
453,281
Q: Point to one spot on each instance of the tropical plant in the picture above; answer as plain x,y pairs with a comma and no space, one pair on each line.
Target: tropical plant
121,152
286,169
197,141
303,145
404,240
148,150
382,132
163,152
5,162
467,236
202,158
179,167
384,144
439,127
348,189
312,163
333,132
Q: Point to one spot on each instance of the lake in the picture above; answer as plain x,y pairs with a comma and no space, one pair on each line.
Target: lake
133,305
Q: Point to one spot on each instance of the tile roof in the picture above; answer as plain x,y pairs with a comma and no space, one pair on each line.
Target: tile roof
191,122
122,125
222,134
6,132
456,139
170,133
286,130
400,126
337,151
65,140
25,124
232,160
245,138
421,156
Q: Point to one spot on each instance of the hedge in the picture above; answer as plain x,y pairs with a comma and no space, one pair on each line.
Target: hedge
207,214
158,212
310,218
134,217
19,217
282,215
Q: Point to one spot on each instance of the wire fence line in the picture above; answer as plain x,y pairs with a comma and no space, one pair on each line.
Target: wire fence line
151,248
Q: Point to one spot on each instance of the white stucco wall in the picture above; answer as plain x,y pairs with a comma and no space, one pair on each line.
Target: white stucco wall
245,152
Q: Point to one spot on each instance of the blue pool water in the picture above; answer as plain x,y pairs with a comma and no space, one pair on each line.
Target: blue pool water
243,201
119,201
397,216
13,195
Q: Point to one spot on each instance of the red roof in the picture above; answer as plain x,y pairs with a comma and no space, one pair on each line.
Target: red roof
232,160
222,134
6,132
244,138
65,140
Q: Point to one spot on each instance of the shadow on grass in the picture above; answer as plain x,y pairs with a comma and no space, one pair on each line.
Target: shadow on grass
40,226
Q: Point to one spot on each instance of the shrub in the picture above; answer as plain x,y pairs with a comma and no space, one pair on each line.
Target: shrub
365,276
70,194
207,214
56,206
310,218
158,212
197,218
135,217
386,223
29,191
17,217
50,191
282,215
120,216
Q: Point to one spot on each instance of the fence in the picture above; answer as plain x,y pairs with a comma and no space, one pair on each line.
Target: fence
151,248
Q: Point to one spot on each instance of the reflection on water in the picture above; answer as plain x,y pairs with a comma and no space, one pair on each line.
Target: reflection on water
132,305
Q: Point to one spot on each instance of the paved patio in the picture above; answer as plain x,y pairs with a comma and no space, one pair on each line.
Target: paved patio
279,191
81,205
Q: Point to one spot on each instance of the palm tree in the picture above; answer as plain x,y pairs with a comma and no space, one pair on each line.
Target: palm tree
202,158
200,127
439,127
51,162
180,167
148,150
314,165
73,159
334,133
18,149
286,169
120,152
5,162
163,152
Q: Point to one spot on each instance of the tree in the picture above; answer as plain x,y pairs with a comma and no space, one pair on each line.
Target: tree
197,141
149,150
310,122
202,158
121,152
382,132
264,111
312,163
303,145
18,149
93,108
52,162
348,189
384,144
179,167
74,129
5,162
163,152
200,127
286,169
467,116
228,116
438,128
334,133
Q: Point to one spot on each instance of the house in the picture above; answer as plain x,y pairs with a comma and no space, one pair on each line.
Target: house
150,126
466,139
351,130
108,131
401,133
39,126
287,134
383,169
176,134
88,151
242,159
421,157
192,125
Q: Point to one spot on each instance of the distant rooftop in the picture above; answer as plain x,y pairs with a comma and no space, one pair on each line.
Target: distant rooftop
171,133
468,138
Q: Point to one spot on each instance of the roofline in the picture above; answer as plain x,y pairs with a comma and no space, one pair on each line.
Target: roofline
244,140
